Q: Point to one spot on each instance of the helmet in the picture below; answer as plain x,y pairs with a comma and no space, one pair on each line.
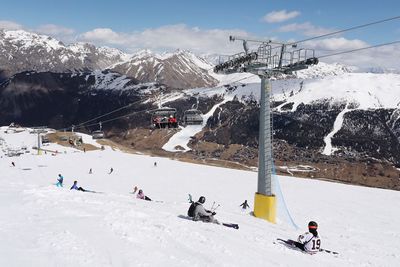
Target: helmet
202,199
312,225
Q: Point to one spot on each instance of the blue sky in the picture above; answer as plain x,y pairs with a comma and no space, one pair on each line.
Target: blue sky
202,26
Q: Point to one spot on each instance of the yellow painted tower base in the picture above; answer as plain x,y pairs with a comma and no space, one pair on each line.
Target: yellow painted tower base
265,207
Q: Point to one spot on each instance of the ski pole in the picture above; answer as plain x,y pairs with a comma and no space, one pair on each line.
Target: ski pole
215,208
212,205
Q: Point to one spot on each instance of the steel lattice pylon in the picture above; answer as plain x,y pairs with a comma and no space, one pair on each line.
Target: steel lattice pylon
269,59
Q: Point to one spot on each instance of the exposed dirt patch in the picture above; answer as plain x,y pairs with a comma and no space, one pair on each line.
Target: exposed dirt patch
62,138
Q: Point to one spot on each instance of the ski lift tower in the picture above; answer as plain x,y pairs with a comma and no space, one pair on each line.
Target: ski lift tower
268,60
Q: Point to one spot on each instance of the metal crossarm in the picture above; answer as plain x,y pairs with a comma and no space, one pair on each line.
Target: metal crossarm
268,59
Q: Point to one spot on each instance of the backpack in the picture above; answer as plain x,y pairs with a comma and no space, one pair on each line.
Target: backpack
192,209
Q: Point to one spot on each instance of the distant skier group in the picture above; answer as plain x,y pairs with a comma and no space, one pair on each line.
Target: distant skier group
60,180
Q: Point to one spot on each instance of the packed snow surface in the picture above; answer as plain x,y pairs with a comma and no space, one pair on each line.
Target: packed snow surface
42,225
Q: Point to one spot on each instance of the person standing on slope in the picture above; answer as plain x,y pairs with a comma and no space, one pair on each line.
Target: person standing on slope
201,214
310,241
135,189
244,205
60,180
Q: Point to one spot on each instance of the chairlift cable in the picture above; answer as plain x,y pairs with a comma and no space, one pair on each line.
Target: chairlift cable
359,49
84,124
346,30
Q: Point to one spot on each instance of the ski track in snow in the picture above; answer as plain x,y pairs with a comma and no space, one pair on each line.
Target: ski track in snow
42,225
337,125
182,137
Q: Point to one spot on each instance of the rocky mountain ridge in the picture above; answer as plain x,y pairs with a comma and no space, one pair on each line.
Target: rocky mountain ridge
181,69
25,51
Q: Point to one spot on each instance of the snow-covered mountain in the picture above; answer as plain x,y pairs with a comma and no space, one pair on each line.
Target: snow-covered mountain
324,112
181,69
331,114
25,51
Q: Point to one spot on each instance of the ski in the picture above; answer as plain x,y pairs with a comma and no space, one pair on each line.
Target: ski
292,243
289,242
232,225
329,251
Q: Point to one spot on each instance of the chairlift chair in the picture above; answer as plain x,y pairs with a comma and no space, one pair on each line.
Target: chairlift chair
192,117
98,134
160,118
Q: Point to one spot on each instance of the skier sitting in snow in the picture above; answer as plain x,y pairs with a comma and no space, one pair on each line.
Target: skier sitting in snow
310,241
141,195
201,214
60,180
75,187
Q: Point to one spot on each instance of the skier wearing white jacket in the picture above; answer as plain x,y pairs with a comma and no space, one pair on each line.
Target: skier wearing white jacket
310,241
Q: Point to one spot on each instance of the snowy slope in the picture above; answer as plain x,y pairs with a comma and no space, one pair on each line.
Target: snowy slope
41,225
364,90
325,82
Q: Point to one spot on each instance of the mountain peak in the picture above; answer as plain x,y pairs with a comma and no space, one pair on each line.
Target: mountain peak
25,40
24,51
178,69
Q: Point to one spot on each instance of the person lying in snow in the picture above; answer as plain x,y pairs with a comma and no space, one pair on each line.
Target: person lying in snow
75,187
141,195
199,213
309,242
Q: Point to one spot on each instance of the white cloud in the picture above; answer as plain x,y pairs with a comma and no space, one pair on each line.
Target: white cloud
170,37
305,28
104,35
52,29
210,41
335,44
280,16
9,25
385,56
